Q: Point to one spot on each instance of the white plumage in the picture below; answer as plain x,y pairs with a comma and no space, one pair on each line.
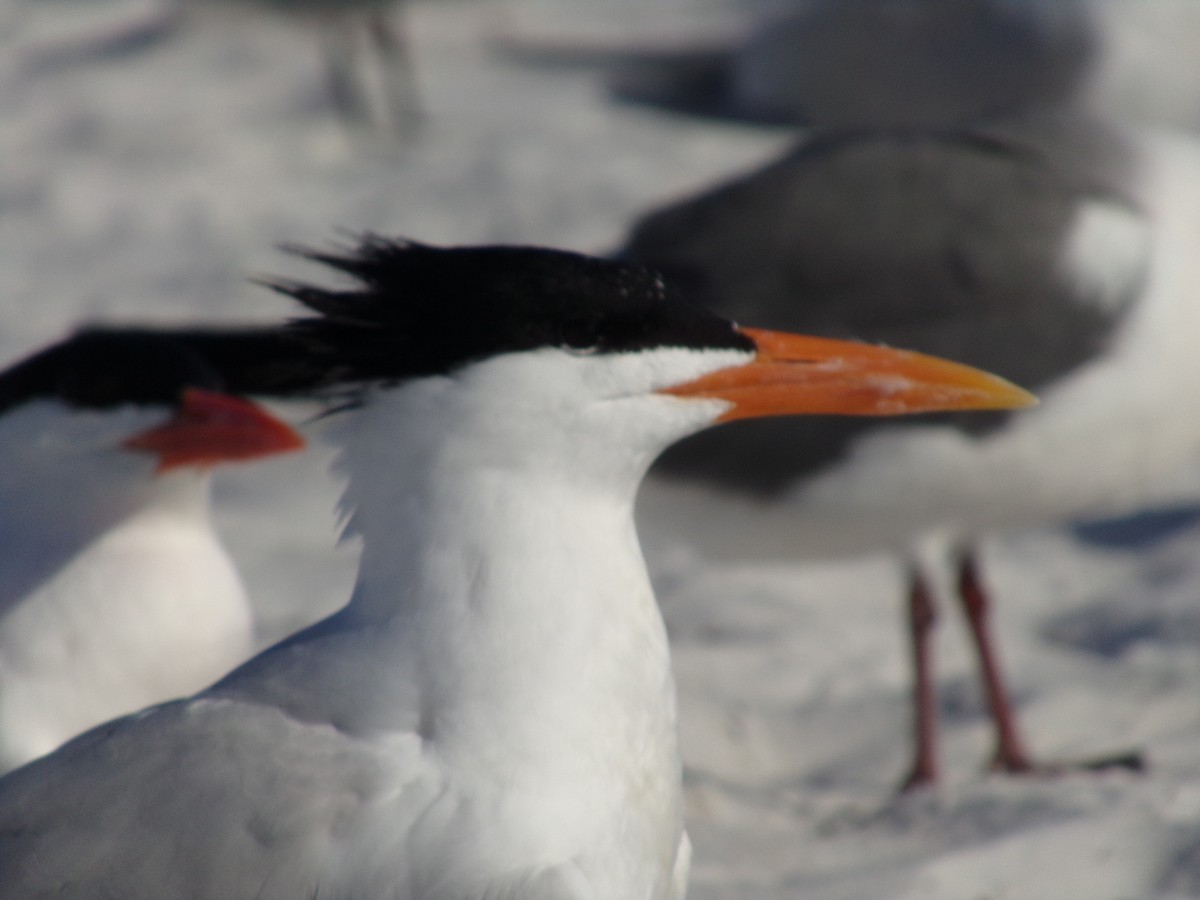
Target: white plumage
492,715
115,591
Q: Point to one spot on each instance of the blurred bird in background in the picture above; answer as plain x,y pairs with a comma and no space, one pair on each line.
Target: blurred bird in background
961,196
370,73
368,58
115,590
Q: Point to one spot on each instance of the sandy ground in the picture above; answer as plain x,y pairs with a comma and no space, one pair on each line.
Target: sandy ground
145,179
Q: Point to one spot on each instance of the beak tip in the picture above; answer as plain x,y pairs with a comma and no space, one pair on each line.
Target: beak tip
1010,396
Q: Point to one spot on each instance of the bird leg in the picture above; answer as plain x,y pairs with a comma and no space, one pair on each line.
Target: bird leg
1010,755
922,617
349,98
399,74
372,82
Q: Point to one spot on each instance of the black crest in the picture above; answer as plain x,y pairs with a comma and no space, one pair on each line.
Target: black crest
420,310
104,368
414,310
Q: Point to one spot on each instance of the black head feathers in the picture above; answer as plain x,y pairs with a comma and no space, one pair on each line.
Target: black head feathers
415,310
419,310
103,368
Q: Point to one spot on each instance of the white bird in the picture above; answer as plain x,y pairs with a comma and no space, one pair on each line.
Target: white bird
1054,250
493,713
115,591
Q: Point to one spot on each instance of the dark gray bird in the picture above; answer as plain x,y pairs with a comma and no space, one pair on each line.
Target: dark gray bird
923,63
1056,251
848,63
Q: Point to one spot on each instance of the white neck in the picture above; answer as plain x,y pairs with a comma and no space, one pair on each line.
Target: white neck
515,589
114,591
463,494
66,481
501,577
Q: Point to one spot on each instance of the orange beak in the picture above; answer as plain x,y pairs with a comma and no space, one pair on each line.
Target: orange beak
794,374
211,428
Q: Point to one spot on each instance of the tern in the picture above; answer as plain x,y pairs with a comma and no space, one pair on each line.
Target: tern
493,712
115,591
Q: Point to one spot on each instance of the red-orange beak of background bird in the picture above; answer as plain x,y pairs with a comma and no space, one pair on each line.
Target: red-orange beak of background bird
210,428
795,374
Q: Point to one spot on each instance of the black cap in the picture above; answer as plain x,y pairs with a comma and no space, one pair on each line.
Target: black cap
418,310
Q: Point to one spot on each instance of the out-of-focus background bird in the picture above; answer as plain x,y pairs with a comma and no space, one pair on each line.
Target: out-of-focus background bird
974,187
146,181
1050,250
115,591
368,57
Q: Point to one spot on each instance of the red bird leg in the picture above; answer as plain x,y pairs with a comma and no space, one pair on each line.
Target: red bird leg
1010,755
922,617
